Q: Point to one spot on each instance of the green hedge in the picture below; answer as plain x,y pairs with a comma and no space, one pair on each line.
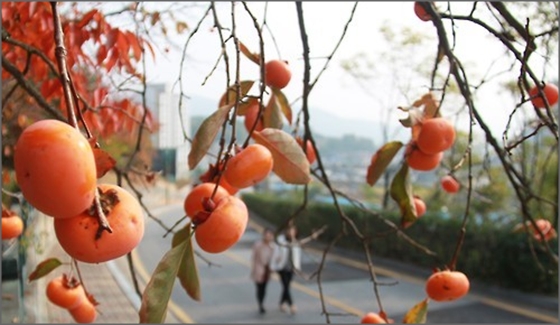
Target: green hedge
489,255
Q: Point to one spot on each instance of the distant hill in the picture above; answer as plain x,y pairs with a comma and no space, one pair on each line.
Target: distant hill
322,122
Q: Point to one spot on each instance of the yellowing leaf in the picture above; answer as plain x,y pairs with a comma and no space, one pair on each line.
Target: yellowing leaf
250,55
417,314
380,160
44,268
272,117
155,297
206,133
231,93
290,163
401,192
283,103
188,273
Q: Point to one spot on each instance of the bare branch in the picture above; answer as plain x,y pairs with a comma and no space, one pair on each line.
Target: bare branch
31,90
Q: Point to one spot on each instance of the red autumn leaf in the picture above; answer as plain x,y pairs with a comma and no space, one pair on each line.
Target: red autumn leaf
103,161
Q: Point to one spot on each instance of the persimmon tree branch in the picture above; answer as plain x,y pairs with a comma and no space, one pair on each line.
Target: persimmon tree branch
60,54
262,85
31,90
331,55
516,179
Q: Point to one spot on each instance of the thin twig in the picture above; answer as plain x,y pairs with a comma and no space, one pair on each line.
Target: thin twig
31,89
60,53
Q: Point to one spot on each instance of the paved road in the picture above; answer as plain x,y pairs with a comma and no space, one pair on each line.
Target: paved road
228,294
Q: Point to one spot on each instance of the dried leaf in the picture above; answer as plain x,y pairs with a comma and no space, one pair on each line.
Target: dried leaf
181,26
244,86
206,133
272,117
430,103
417,314
284,104
155,297
401,192
44,268
242,108
381,159
290,163
188,272
250,55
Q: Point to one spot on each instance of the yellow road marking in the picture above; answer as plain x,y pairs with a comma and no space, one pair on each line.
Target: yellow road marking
143,273
330,300
516,309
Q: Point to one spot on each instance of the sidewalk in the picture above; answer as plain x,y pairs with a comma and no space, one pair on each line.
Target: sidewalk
110,282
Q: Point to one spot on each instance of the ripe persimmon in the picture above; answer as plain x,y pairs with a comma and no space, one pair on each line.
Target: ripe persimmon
447,285
418,160
436,135
85,313
372,318
550,92
450,184
421,12
12,226
251,116
224,227
309,150
420,206
277,74
79,236
65,292
194,200
249,166
55,168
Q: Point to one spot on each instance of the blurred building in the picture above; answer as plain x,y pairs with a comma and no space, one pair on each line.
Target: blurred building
172,147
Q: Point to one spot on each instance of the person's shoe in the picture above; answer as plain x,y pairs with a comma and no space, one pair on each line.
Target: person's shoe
283,308
262,310
293,309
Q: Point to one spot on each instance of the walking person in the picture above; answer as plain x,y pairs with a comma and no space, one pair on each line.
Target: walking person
260,270
286,260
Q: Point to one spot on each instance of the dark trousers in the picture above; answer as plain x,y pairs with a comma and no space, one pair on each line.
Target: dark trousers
286,279
261,292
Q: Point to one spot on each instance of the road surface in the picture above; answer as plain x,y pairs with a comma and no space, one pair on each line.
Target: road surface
228,294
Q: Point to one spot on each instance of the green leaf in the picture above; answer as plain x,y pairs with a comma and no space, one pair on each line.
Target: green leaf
290,163
231,93
417,314
206,134
272,117
250,55
401,192
188,273
284,104
157,293
44,268
381,159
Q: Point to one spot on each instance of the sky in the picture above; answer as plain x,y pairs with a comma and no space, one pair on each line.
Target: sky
336,92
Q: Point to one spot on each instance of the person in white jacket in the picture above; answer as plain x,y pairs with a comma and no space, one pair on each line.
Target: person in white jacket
286,259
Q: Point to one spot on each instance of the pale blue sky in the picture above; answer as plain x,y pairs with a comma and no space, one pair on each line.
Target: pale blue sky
336,92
